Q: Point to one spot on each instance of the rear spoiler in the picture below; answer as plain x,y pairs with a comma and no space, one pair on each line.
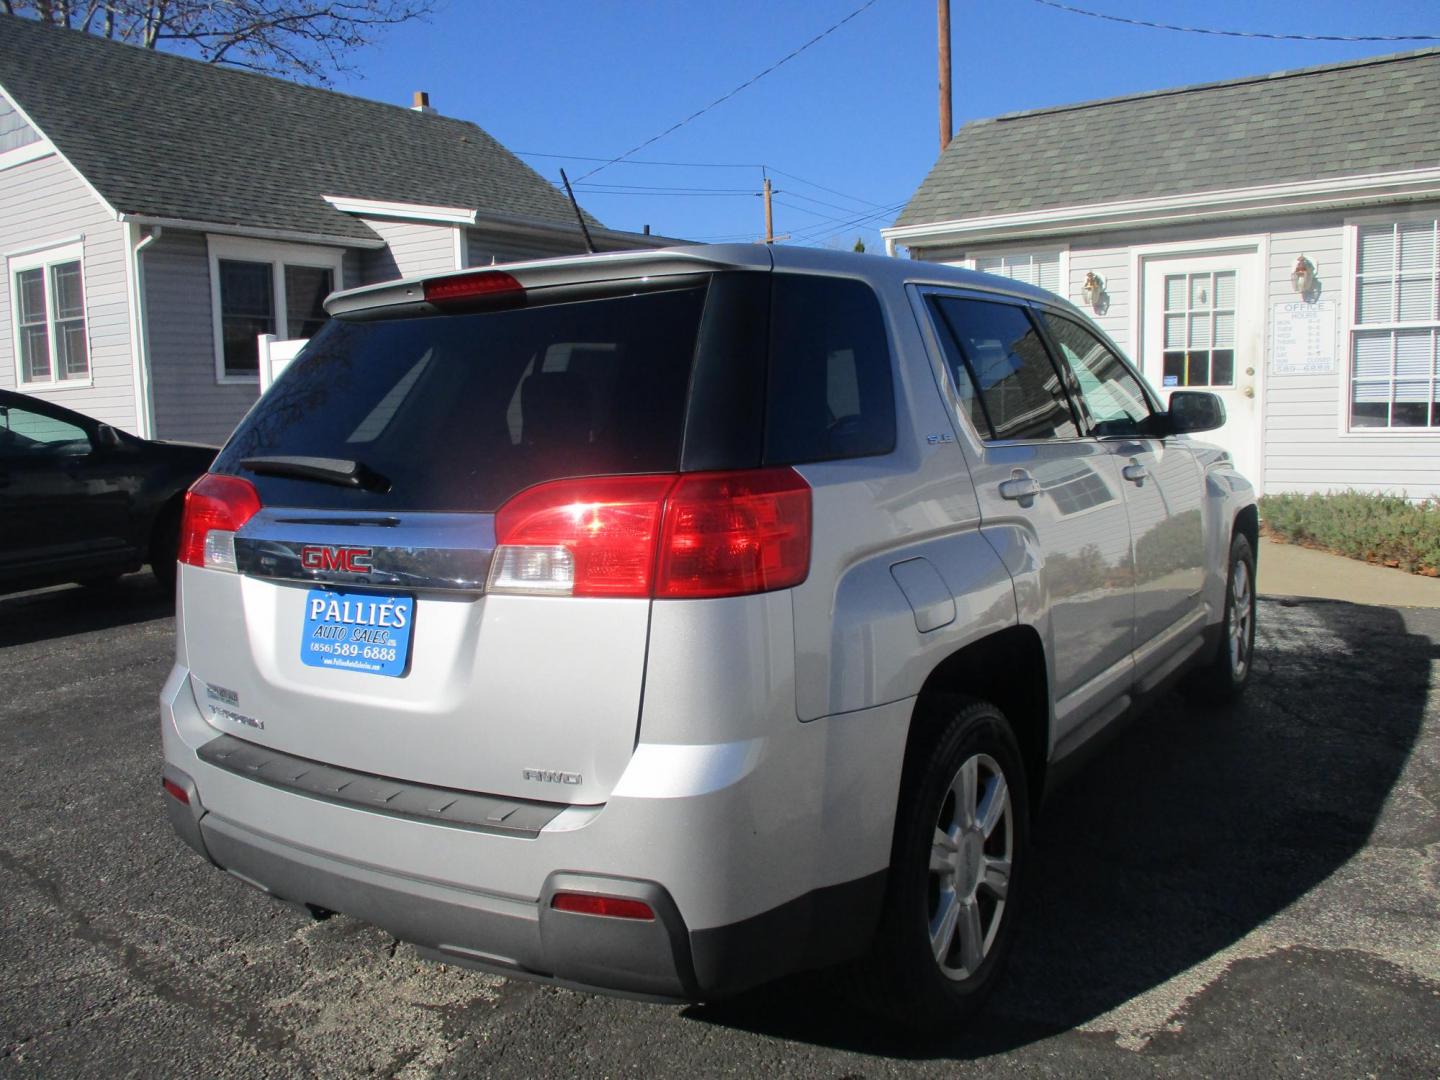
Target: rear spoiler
508,285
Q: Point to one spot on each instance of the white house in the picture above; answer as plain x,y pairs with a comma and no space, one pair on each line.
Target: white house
158,214
1273,239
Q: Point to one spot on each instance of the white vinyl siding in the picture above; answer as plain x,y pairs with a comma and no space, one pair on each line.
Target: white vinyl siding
412,249
1393,356
486,247
14,132
45,206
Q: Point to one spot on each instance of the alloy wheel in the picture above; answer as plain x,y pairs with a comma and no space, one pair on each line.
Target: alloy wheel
1241,614
970,861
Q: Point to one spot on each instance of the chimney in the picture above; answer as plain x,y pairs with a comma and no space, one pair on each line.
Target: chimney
422,102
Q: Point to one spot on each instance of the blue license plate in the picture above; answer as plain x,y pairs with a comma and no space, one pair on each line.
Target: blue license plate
367,632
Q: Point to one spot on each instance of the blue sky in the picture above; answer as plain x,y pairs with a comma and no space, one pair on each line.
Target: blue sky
848,128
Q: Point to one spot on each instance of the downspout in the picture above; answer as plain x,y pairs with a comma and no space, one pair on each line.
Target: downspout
140,327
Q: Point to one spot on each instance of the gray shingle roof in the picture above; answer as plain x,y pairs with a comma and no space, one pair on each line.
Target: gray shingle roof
163,135
1366,116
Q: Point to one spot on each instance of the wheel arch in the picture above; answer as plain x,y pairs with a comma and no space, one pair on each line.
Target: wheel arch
1008,669
170,510
1247,522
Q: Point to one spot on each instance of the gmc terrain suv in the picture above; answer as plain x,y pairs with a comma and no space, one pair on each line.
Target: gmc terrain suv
665,622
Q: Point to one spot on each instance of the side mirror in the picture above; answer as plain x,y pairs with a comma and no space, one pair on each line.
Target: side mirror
107,438
1195,410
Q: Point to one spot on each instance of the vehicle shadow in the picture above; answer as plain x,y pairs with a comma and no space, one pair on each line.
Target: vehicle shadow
1191,829
43,614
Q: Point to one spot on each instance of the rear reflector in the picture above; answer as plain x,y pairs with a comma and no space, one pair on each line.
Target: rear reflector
666,536
462,287
215,507
175,791
615,907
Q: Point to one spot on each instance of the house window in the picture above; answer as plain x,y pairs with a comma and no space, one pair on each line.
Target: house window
265,289
1040,268
47,295
1394,381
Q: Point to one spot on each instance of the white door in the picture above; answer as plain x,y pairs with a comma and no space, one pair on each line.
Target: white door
1202,331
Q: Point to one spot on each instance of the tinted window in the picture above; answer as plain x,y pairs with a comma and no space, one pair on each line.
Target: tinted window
24,433
998,350
831,393
1112,394
459,412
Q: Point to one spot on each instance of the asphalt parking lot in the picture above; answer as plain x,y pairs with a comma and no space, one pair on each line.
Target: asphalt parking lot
1245,891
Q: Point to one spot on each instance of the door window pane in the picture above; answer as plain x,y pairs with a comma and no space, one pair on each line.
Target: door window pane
1020,393
1199,327
247,310
305,290
1112,394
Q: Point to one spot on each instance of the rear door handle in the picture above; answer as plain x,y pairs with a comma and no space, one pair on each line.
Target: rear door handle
1135,473
1020,488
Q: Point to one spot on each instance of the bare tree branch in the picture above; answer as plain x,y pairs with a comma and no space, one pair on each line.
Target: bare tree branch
302,39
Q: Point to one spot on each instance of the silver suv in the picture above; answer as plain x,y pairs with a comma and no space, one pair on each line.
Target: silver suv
666,622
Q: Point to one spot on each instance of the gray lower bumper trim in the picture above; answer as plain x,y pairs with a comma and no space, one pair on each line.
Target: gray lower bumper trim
379,794
500,933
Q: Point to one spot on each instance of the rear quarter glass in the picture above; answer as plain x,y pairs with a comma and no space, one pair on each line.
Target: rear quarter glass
459,412
830,391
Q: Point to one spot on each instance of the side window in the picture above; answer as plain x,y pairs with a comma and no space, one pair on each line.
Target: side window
831,393
1017,392
31,434
1112,394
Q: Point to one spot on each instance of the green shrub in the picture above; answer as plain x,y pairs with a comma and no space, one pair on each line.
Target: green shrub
1386,529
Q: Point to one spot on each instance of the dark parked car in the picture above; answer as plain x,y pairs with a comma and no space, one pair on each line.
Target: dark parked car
82,501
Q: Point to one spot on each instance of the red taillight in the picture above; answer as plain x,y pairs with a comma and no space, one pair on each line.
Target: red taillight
607,526
616,907
175,791
215,501
686,536
728,534
482,283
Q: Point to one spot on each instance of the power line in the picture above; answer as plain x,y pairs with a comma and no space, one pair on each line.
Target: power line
725,97
825,232
641,161
1236,33
701,165
822,187
667,188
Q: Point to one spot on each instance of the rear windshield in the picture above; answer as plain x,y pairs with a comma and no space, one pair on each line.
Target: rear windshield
459,412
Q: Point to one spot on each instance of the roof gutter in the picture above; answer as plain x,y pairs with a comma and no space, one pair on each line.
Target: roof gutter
258,232
1288,198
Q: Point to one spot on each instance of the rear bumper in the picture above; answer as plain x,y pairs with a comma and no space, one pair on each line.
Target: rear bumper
484,900
654,960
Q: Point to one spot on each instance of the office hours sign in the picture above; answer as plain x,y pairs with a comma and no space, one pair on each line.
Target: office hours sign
1302,338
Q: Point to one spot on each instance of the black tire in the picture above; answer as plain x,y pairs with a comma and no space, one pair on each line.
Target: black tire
1225,677
902,979
165,546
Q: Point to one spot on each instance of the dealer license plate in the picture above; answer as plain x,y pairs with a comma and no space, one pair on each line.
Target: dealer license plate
367,632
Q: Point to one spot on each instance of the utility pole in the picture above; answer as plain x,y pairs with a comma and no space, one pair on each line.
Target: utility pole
943,17
769,215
